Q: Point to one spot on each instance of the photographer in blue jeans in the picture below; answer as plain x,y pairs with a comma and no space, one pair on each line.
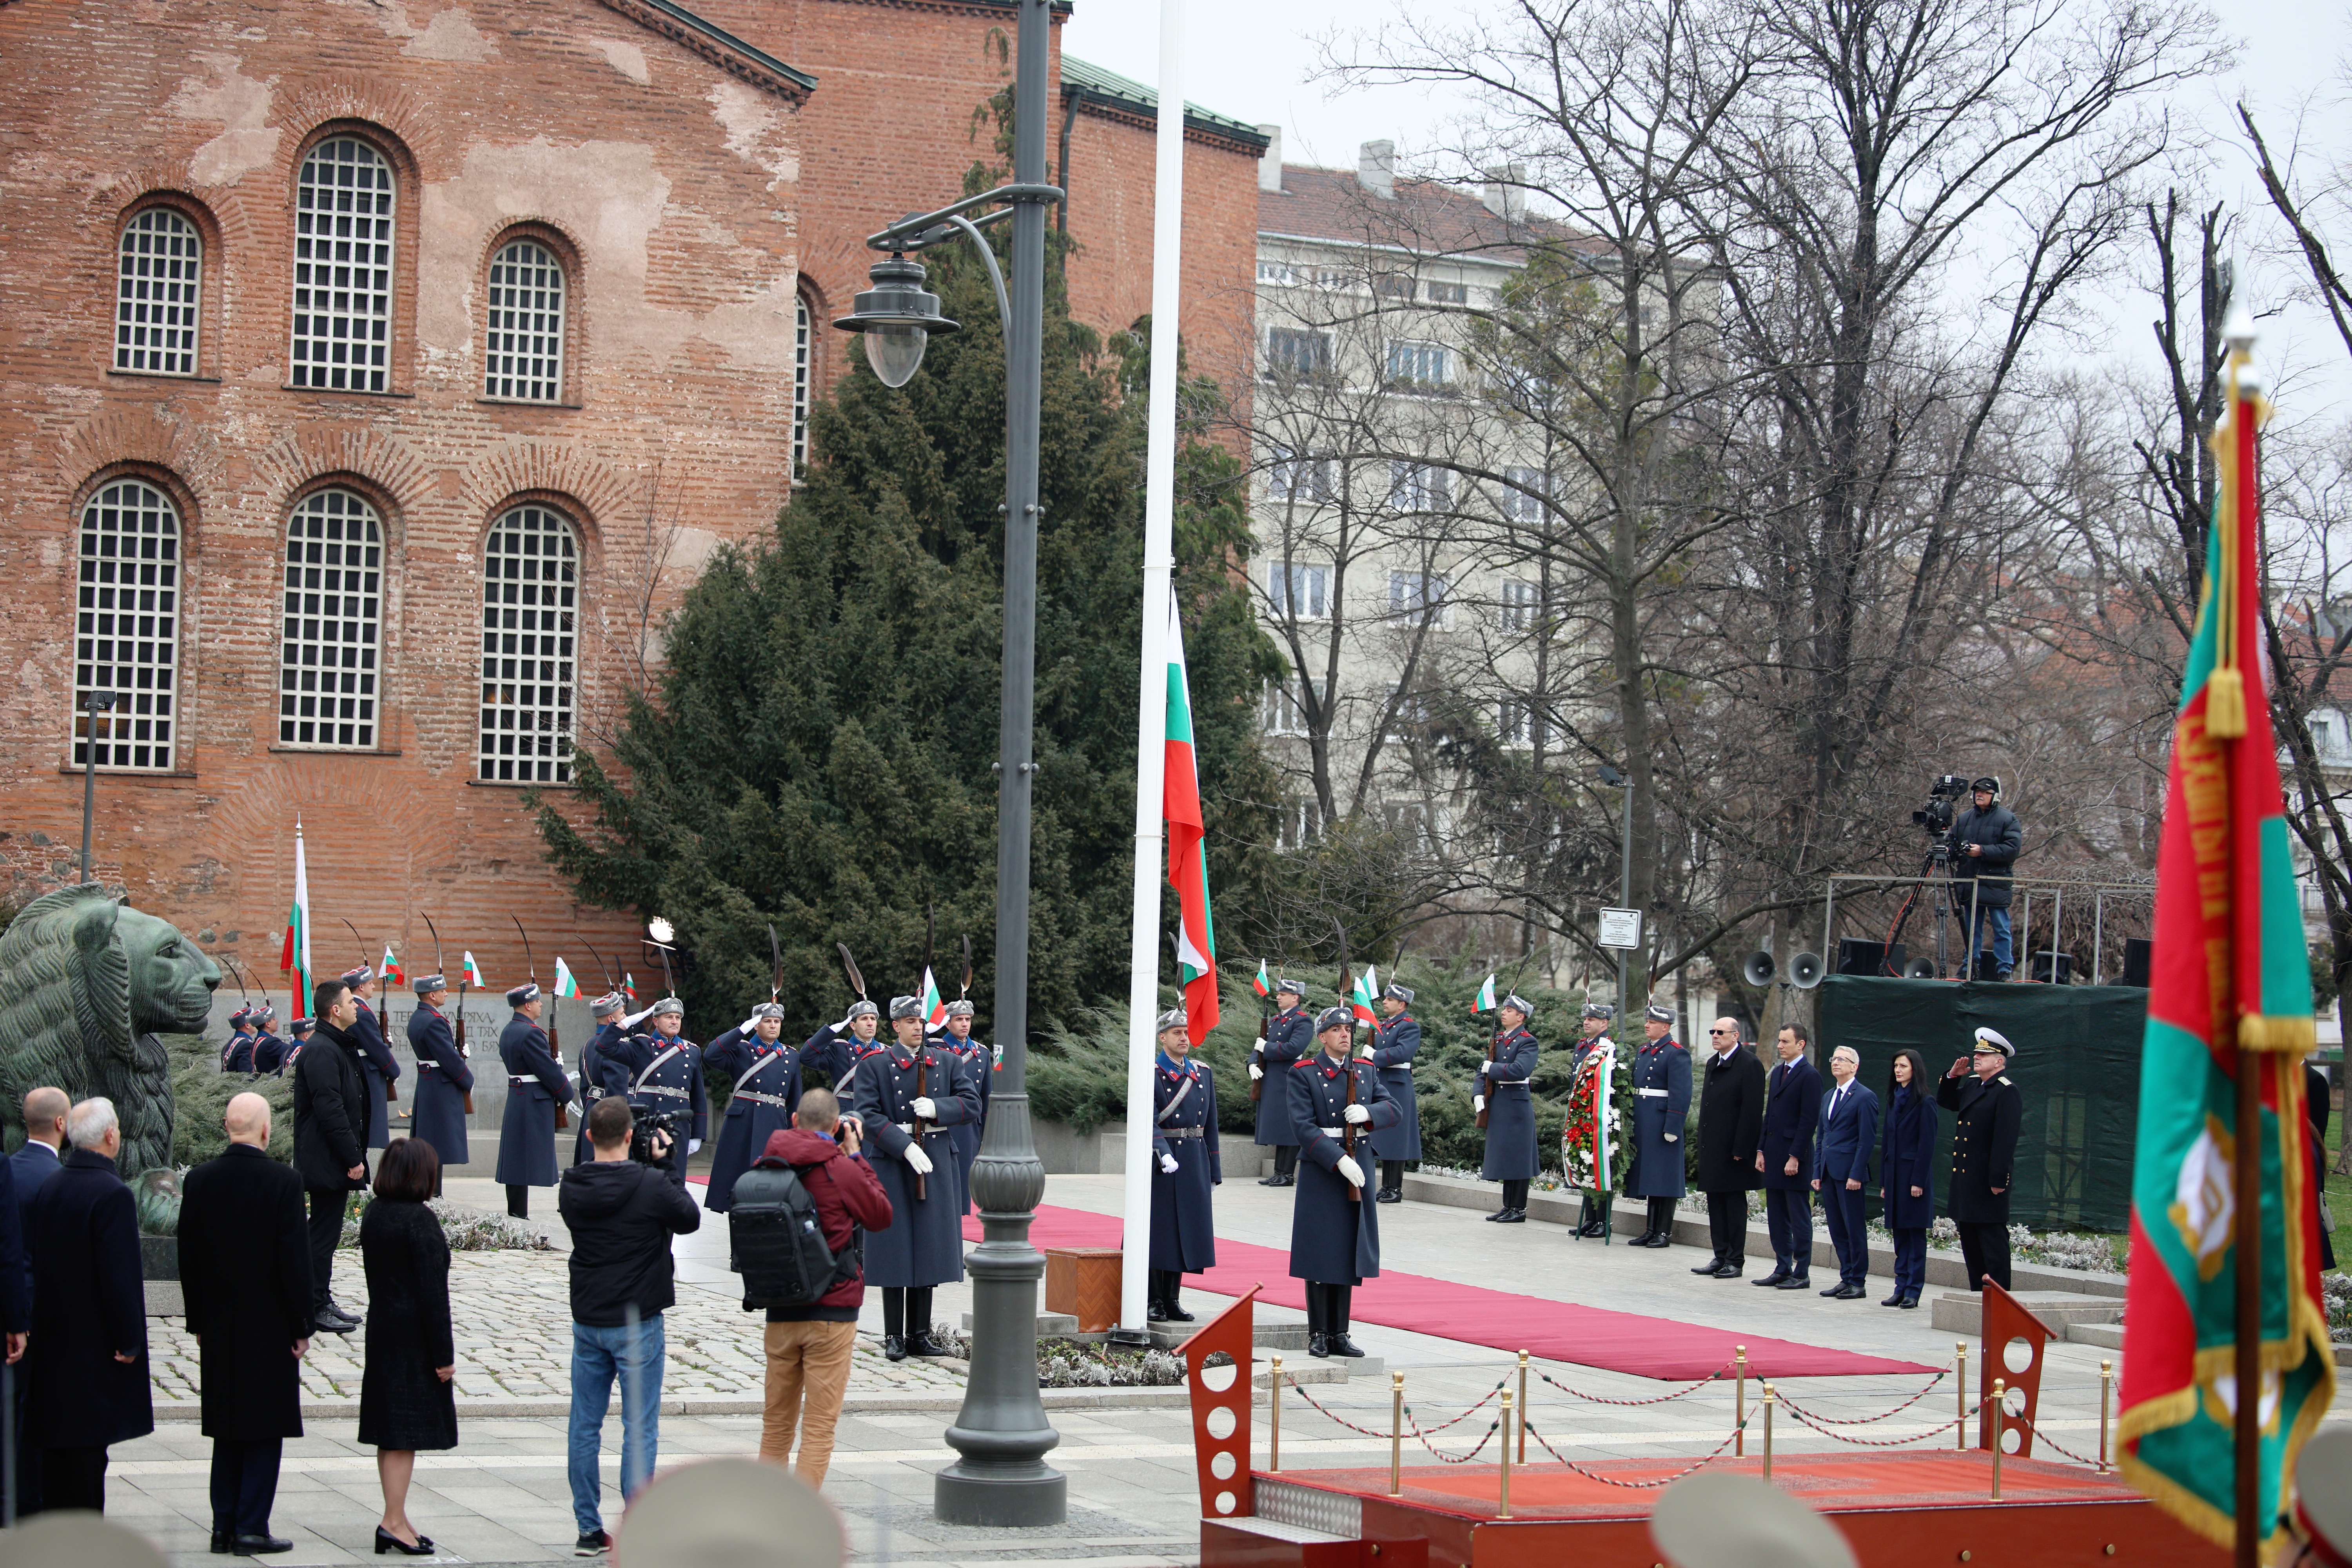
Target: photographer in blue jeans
1983,844
620,1214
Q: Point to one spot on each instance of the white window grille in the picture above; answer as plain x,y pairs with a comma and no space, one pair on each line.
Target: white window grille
1286,714
1301,823
158,281
1523,501
328,668
801,368
1290,351
531,586
1293,477
342,268
1519,612
526,338
1419,487
1419,365
1417,597
1298,592
2322,737
126,628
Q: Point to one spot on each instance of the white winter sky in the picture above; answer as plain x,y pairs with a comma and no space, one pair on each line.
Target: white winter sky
1257,60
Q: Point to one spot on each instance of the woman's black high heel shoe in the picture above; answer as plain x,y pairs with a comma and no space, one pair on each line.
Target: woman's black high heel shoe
385,1541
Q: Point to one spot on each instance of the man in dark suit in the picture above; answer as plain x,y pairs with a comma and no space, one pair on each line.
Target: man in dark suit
29,1169
89,1318
1987,1112
246,1271
1730,1125
331,1138
1792,1110
1842,1170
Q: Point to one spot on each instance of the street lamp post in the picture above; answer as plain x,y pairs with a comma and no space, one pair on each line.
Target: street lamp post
96,703
1611,779
1001,1434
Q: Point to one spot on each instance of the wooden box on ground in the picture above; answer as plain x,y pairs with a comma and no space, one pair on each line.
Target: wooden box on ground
1083,1281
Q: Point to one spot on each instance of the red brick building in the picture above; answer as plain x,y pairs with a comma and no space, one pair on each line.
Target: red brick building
374,376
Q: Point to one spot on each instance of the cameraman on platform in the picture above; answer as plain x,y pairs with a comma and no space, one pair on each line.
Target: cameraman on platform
622,1215
1983,844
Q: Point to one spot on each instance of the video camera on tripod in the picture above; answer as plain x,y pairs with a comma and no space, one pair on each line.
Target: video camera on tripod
1944,797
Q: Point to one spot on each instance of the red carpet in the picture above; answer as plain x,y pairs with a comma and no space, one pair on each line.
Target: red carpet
1554,1331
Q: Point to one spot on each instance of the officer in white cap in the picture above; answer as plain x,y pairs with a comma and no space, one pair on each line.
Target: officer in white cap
1987,1112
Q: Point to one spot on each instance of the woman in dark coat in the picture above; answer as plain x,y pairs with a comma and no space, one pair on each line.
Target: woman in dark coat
1907,1165
406,1398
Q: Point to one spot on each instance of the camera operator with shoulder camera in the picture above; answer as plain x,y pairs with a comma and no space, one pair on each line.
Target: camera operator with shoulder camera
622,1213
1983,844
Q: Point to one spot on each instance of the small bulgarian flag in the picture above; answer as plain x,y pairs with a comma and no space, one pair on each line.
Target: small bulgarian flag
628,985
1485,1001
935,1006
474,973
1360,1001
294,959
389,970
1260,981
566,983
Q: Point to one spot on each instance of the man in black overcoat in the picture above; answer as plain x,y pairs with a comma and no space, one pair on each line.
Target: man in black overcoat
1987,1112
30,1169
1335,1236
1289,1037
246,1272
1793,1114
330,1138
1730,1124
89,1316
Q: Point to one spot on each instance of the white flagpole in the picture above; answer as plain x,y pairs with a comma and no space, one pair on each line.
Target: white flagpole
1152,735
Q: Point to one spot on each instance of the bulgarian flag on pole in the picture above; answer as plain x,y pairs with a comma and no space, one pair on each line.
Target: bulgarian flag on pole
1260,983
2229,1014
1188,864
566,983
1485,1001
1360,1000
474,971
390,969
628,985
296,958
935,1006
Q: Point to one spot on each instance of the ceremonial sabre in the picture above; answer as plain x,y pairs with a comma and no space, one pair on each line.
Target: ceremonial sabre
383,1015
461,1002
562,1108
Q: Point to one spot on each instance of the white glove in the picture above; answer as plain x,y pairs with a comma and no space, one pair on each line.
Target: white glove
1349,1169
1256,1071
1168,1163
1485,1068
747,1025
1673,1137
1477,1103
917,1158
927,1107
1364,1051
467,1052
840,1028
1358,1113
694,1145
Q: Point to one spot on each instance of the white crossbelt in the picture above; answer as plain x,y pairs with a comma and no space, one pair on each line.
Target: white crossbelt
1651,1093
754,1095
908,1128
1331,1131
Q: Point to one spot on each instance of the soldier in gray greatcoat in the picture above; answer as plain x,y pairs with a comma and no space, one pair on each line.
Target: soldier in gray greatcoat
979,1059
1509,1103
1662,1095
536,1085
443,1077
1184,1167
670,1078
1289,1035
1335,1236
1396,1040
767,1073
909,1093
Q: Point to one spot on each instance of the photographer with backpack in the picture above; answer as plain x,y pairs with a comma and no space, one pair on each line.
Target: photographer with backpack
796,1234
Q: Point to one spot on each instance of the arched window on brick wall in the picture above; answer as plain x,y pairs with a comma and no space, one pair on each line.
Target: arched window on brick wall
803,369
158,279
330,666
525,362
127,627
531,618
343,214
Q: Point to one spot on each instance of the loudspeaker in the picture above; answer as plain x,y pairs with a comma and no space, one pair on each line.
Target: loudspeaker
2137,954
1856,956
1805,971
2042,967
1922,968
1759,968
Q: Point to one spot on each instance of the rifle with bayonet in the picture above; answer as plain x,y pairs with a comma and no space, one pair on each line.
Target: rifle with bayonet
562,1107
1348,1064
460,1030
923,1046
383,1014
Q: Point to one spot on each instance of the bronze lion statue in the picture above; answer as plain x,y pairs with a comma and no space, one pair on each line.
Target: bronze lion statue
86,984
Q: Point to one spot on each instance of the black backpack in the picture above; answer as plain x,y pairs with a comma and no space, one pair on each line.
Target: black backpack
776,1241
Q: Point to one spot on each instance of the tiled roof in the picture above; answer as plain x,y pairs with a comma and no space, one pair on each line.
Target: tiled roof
1092,83
1424,216
717,46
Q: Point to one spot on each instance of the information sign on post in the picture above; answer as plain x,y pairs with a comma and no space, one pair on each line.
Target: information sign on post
1621,928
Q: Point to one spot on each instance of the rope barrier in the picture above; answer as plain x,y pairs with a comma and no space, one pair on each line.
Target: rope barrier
1716,1377
2042,1436
1636,1486
1890,1442
1492,1428
1457,1420
1416,1429
1865,1420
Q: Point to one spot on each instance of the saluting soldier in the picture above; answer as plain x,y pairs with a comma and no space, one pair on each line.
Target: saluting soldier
767,1073
1335,1240
1184,1143
669,1079
607,1062
536,1085
835,1049
443,1078
1585,1074
1396,1040
1503,1094
298,1035
907,1095
979,1060
1987,1112
1289,1037
379,1067
1662,1093
236,1055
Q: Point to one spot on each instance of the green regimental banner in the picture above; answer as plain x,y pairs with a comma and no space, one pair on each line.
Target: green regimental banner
2078,1053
